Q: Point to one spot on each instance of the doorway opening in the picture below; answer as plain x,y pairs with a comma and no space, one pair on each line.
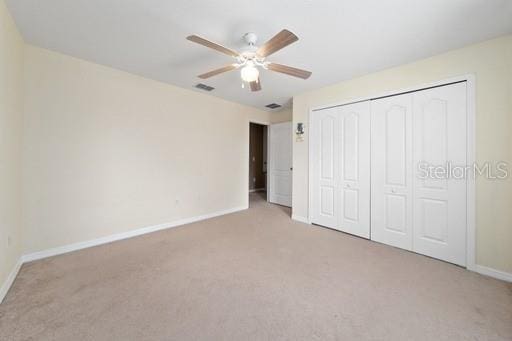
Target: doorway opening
258,161
270,163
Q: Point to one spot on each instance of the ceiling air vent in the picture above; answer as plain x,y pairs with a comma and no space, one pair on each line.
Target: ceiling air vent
204,87
273,106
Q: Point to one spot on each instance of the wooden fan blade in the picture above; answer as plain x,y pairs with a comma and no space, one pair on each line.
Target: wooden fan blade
255,86
217,71
276,43
289,70
212,45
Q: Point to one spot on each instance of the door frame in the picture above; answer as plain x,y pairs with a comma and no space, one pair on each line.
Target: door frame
470,80
266,124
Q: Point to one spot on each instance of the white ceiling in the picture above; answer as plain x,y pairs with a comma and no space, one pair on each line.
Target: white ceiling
339,39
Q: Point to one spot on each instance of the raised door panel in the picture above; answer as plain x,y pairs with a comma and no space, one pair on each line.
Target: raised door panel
432,128
350,138
324,144
440,199
391,176
396,214
354,120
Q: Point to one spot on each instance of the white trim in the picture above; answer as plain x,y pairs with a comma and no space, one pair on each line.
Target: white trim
10,280
310,173
471,182
467,77
471,150
104,240
300,219
269,161
484,270
124,235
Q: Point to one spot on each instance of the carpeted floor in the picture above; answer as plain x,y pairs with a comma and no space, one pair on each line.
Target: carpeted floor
252,275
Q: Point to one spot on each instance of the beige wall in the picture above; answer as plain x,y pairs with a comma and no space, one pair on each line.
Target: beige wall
11,105
107,152
285,115
491,62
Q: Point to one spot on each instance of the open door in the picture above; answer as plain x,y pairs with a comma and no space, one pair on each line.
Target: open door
280,164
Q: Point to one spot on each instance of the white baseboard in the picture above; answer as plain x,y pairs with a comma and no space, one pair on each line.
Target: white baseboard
301,219
104,240
484,270
10,279
124,235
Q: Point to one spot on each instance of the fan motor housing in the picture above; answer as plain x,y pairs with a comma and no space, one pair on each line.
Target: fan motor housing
251,38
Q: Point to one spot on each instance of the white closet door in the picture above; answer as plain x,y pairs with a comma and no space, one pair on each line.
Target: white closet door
354,137
324,145
392,171
280,189
440,204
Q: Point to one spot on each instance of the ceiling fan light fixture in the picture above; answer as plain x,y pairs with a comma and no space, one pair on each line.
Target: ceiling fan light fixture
250,73
252,58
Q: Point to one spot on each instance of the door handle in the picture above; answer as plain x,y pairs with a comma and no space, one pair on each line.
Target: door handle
291,168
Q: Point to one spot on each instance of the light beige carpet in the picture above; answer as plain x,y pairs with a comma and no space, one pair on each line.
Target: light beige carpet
252,275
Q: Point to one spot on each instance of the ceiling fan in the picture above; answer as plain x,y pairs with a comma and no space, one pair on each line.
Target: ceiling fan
253,57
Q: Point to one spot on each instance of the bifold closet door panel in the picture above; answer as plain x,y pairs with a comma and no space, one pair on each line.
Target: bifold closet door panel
392,171
440,137
325,167
340,159
354,144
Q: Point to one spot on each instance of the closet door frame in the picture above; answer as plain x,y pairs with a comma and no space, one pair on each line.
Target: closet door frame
470,151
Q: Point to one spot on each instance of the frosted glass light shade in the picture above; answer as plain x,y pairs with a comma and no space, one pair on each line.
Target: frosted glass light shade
249,73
